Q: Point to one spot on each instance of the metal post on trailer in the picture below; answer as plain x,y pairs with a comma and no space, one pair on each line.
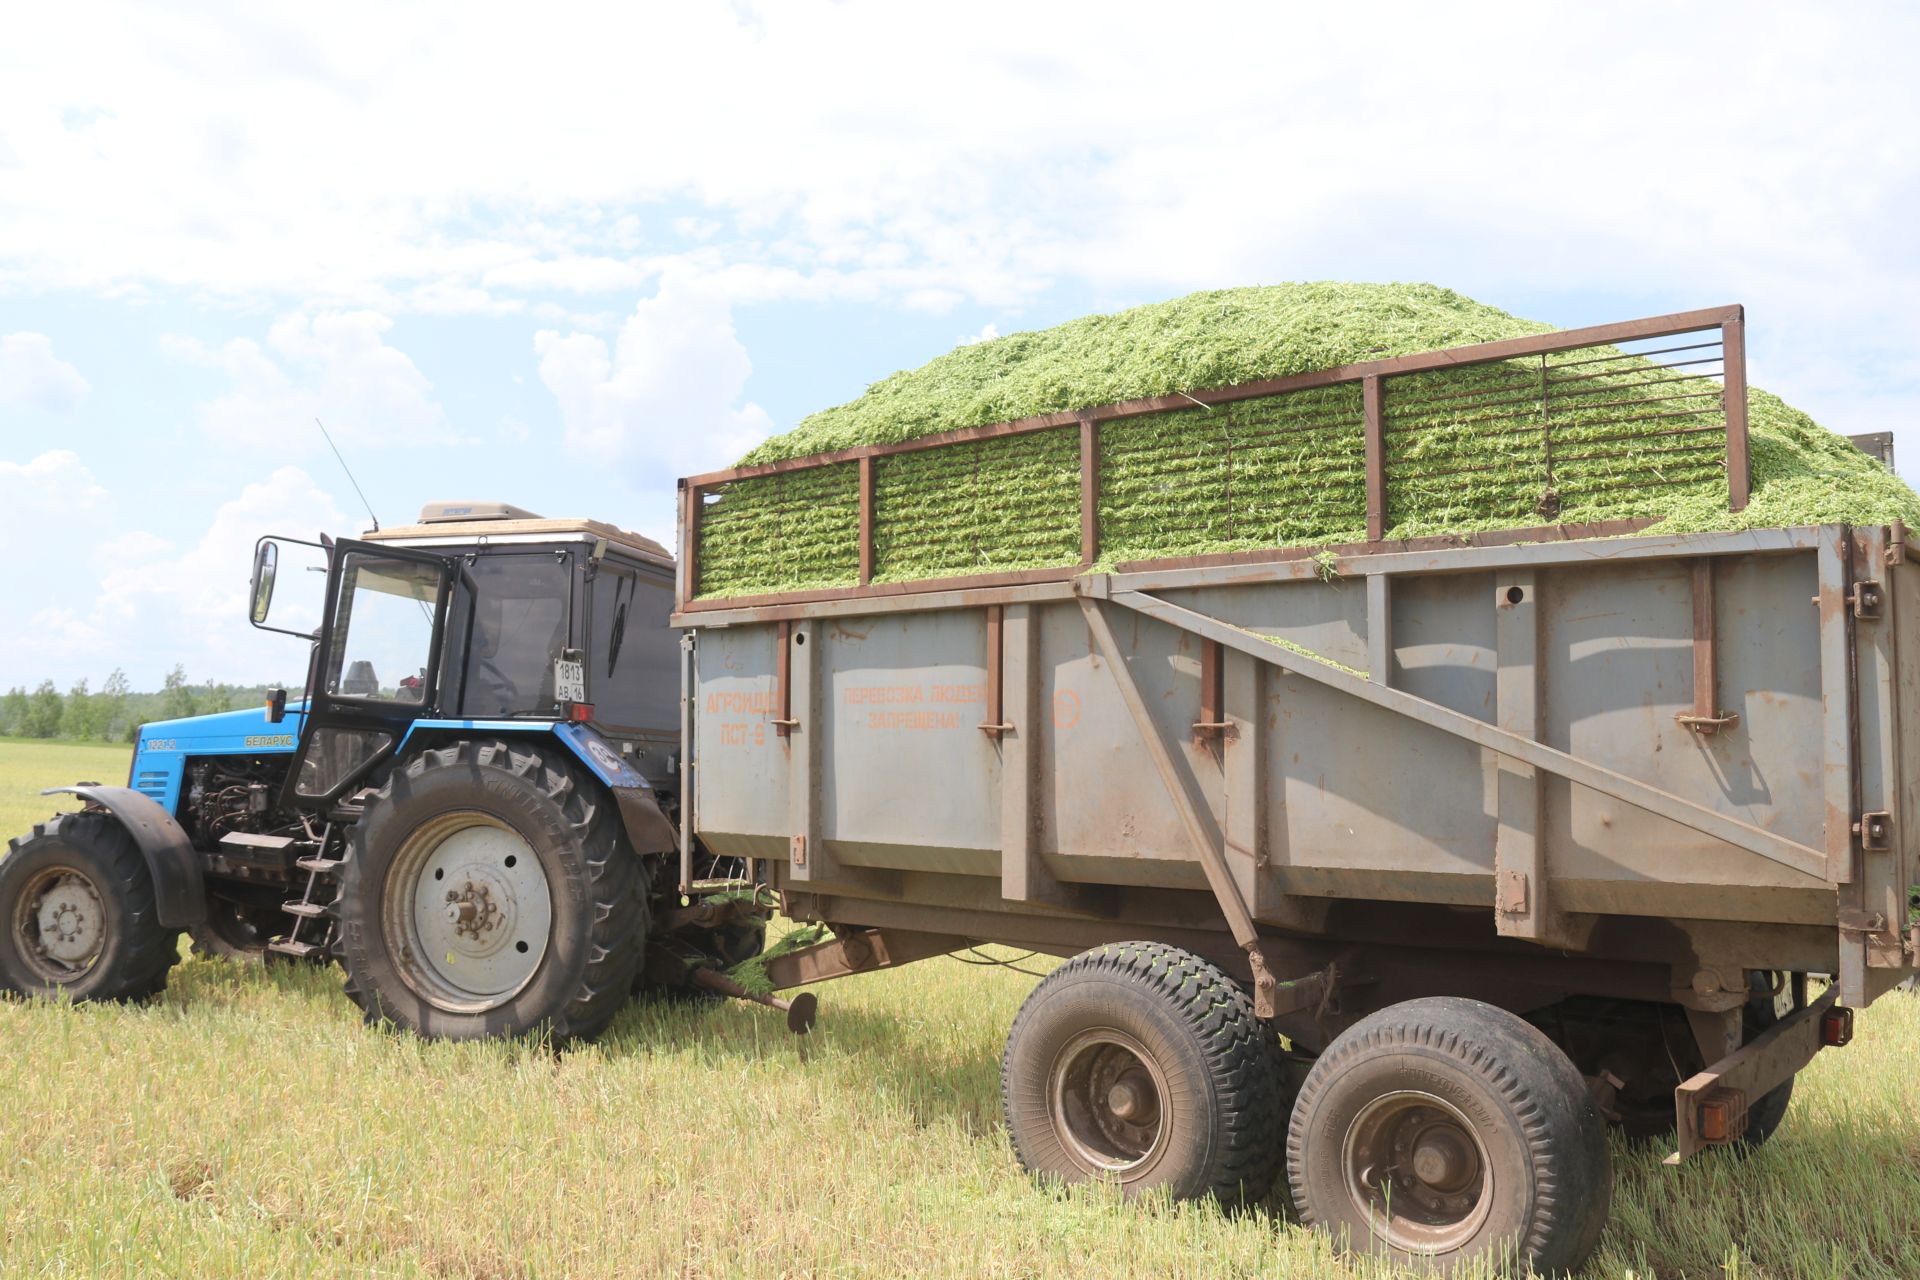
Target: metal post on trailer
1733,402
1089,491
1374,411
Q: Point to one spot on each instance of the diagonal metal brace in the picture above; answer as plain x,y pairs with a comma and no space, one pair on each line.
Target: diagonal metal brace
1756,840
1201,829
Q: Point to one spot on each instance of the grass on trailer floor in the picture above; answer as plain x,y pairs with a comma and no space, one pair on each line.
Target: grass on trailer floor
247,1124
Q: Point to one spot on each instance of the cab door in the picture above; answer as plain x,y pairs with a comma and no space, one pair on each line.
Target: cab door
376,669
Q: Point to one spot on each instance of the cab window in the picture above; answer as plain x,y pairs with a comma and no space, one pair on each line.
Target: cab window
519,606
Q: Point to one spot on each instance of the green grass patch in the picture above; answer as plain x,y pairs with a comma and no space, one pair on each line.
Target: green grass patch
246,1124
1468,449
29,765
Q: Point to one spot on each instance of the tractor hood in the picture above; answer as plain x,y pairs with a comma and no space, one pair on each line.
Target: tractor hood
224,733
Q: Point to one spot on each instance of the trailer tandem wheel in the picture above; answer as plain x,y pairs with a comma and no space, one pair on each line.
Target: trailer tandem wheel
1144,1064
1444,1130
78,915
490,891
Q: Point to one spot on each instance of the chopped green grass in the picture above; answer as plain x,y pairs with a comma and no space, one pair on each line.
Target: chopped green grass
1468,449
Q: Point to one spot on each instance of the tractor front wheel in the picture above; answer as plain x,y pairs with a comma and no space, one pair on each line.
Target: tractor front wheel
78,916
489,891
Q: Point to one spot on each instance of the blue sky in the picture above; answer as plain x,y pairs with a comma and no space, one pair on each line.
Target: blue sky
563,261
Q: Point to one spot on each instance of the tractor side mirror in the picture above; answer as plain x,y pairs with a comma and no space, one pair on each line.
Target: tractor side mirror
299,569
266,560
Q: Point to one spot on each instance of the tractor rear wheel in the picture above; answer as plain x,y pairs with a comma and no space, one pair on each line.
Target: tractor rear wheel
490,891
1143,1064
78,916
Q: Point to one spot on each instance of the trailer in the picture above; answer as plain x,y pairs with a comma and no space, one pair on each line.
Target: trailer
1396,870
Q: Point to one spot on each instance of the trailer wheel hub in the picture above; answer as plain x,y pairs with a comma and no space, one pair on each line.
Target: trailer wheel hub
1417,1170
468,912
1104,1094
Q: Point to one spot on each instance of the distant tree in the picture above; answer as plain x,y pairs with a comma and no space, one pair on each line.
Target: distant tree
80,719
112,702
176,698
13,710
44,711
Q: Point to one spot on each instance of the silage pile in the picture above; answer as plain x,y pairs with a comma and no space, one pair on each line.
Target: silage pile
1464,451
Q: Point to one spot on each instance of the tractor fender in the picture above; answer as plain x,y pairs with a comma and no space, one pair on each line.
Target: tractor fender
647,827
179,886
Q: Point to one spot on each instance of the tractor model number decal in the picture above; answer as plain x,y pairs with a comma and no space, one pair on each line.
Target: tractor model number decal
161,744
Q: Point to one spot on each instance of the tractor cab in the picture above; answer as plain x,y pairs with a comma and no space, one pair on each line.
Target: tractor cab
481,614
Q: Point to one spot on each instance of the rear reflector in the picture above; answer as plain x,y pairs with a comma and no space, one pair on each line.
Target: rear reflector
1836,1027
580,712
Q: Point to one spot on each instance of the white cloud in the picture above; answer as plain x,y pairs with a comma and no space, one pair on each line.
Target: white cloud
666,396
53,483
32,377
378,163
987,334
192,602
335,366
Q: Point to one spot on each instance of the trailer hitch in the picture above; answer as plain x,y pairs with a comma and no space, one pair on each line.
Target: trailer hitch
802,1011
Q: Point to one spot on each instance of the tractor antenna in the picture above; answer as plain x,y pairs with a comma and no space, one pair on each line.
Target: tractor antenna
349,470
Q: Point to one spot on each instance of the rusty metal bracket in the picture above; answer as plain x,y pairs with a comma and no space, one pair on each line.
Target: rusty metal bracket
1301,994
1710,1108
857,951
1211,723
1867,599
784,723
1706,716
1858,920
1875,830
1897,542
997,722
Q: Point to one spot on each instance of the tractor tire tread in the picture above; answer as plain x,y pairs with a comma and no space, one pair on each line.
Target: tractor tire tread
618,910
140,969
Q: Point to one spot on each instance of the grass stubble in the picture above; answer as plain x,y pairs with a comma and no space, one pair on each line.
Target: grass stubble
248,1124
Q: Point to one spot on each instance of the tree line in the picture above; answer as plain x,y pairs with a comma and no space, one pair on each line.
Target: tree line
115,711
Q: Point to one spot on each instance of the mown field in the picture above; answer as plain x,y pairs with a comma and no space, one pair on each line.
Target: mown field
248,1124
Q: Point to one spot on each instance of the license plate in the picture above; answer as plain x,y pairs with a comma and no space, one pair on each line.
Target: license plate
569,681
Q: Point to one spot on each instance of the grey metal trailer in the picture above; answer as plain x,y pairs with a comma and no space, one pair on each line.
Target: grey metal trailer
1507,836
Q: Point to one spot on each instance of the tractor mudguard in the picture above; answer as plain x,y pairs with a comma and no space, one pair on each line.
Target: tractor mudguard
179,887
647,828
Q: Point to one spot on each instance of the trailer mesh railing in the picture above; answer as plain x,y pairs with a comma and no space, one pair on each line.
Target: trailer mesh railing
1573,430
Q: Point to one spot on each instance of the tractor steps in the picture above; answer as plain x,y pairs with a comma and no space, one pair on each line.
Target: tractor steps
305,910
320,866
302,950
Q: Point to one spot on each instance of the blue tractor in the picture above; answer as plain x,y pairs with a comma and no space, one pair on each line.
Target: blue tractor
471,810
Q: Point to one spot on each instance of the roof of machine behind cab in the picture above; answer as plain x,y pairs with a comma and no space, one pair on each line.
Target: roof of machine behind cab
455,523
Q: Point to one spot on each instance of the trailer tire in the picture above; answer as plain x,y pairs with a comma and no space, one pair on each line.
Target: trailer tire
1496,1149
1144,1063
551,943
82,875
